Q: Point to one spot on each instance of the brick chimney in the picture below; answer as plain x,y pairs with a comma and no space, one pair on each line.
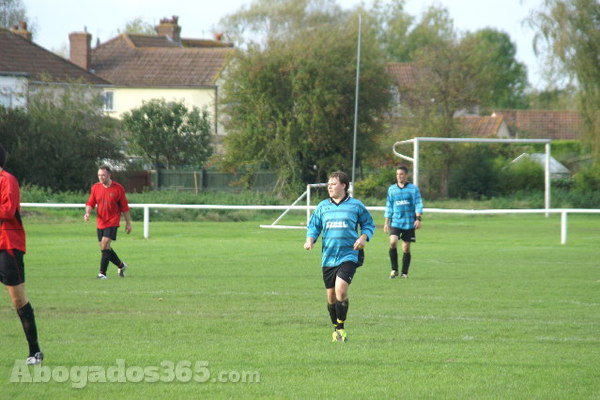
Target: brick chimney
21,30
170,28
80,49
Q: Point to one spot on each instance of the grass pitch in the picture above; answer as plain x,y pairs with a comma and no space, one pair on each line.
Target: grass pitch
494,308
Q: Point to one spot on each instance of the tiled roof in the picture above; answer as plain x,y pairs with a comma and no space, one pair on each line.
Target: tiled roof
154,61
403,74
20,56
543,124
481,127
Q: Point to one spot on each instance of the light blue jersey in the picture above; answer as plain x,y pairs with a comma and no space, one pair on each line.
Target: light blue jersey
402,205
338,224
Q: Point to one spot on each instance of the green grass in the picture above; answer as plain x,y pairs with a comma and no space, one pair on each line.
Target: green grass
494,308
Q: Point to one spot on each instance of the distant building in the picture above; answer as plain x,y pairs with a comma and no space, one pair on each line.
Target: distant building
557,170
166,66
25,67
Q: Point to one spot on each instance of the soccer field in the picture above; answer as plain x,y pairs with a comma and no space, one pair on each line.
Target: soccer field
494,308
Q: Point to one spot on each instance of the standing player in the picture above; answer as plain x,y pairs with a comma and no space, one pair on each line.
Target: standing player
110,198
12,250
338,219
403,211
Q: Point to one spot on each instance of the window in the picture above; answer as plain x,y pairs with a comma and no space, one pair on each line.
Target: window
6,98
109,102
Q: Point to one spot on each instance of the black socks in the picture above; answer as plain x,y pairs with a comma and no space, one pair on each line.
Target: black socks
405,263
109,255
394,259
341,311
28,322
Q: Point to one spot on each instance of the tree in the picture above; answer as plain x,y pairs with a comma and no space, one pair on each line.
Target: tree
290,104
569,37
507,78
169,134
61,138
139,26
11,13
447,81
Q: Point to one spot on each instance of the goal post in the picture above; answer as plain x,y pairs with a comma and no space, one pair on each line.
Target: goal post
415,158
307,195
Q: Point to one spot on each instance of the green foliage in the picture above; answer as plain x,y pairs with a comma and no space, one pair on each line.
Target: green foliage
59,142
522,175
169,134
506,78
588,179
375,185
569,38
476,176
290,105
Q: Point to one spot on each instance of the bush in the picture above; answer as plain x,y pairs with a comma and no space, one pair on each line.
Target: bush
476,177
375,185
588,179
522,175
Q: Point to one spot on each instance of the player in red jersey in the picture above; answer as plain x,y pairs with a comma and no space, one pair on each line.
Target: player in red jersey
12,250
109,197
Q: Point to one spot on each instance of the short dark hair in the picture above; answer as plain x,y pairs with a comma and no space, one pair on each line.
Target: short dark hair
342,177
403,168
3,156
106,168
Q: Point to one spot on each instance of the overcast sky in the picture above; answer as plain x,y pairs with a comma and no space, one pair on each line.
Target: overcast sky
55,19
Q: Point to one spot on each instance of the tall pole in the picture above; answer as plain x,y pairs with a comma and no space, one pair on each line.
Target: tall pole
356,103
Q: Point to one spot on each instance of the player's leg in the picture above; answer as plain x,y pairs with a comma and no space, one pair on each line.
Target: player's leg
331,306
405,258
113,257
104,241
12,274
345,273
329,281
393,255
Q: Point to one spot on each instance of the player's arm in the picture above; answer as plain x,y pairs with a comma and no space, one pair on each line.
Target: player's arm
8,202
310,243
88,211
127,221
389,212
418,208
367,229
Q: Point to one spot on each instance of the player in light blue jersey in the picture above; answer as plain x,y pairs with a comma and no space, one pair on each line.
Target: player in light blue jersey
403,211
338,220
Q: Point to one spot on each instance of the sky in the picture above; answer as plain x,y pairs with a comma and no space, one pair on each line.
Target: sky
55,19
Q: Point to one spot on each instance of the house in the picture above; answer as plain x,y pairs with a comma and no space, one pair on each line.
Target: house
544,124
25,67
491,126
167,66
523,124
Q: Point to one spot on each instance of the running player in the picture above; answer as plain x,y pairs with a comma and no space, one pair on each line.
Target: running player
338,219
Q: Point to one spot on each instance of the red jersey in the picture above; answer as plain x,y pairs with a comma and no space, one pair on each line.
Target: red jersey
111,202
12,234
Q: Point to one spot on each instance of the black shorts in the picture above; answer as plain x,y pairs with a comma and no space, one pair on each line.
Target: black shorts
12,269
406,235
110,232
345,271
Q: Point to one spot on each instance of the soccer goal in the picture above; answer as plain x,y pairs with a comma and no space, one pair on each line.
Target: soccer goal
415,158
294,206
